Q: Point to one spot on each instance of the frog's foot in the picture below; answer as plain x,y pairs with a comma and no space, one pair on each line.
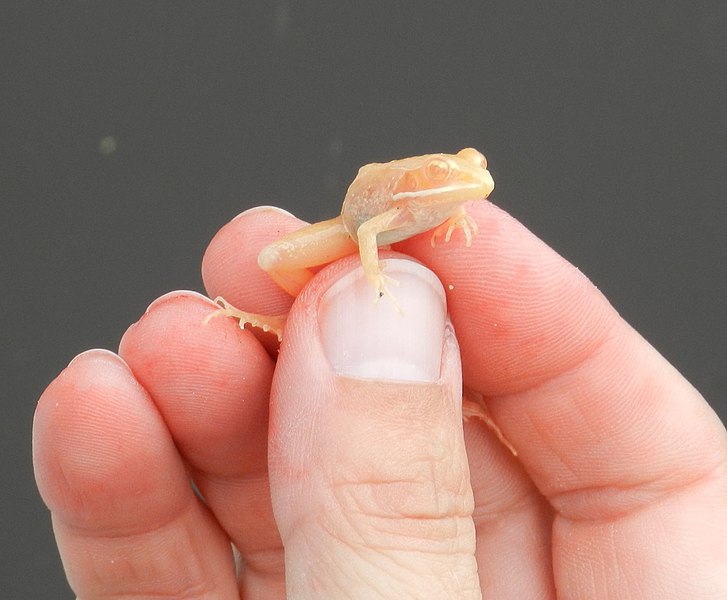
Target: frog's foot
459,221
474,407
272,324
381,283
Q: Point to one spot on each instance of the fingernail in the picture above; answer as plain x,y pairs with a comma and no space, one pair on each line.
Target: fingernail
177,294
97,354
263,209
372,339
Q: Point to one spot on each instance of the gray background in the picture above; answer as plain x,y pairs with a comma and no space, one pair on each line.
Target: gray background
604,123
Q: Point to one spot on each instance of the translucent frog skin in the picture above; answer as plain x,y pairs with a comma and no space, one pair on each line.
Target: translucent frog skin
385,203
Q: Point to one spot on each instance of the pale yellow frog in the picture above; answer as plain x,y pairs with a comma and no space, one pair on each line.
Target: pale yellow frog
386,203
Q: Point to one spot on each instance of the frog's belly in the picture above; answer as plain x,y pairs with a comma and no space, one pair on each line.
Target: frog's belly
397,235
422,220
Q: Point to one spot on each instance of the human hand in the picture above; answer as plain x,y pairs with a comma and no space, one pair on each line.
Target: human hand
373,488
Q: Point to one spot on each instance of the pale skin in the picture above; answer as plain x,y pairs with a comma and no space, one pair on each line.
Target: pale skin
363,488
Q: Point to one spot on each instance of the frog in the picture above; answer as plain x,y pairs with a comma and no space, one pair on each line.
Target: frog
385,203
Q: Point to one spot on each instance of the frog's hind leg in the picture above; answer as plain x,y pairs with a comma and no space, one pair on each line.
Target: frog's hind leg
473,406
289,259
272,324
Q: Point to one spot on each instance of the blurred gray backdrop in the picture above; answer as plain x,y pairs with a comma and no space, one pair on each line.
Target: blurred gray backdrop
130,132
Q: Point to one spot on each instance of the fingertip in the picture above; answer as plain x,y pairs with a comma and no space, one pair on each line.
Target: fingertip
86,374
209,379
229,265
95,430
186,309
177,329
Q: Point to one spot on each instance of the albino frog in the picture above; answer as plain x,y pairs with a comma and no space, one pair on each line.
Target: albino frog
386,203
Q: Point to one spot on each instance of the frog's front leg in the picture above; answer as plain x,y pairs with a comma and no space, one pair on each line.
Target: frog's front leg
459,220
367,233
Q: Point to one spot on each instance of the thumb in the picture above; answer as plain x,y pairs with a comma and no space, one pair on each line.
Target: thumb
368,469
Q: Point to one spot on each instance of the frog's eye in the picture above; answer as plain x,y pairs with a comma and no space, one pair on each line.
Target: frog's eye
437,169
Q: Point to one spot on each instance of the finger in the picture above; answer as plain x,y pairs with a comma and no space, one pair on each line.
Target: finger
368,468
126,520
210,382
621,445
515,299
229,266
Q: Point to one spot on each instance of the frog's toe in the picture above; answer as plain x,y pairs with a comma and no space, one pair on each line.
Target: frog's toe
268,323
383,290
463,221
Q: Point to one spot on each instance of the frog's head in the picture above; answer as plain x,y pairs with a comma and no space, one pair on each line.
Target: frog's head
451,179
